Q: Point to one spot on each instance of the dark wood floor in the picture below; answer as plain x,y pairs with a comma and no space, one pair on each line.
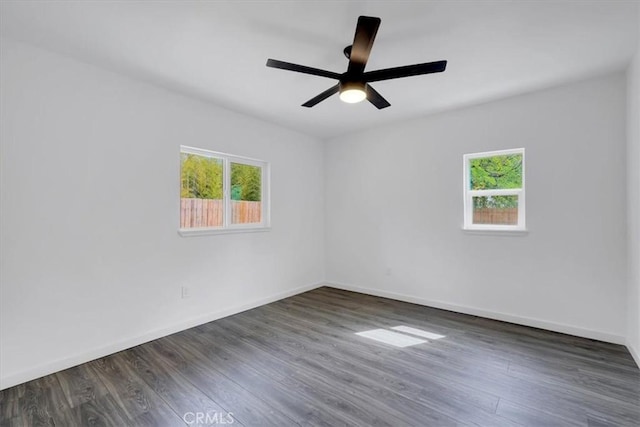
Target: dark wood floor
298,362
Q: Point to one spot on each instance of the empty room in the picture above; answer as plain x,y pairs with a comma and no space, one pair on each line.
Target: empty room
320,213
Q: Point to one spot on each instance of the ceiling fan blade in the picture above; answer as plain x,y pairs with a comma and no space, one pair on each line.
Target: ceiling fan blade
324,95
366,31
405,71
274,63
376,99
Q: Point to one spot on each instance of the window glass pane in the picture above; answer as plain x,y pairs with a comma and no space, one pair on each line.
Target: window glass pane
246,194
496,172
201,203
499,210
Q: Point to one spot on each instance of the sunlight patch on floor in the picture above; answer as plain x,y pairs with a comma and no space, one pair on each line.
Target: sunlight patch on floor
392,338
418,332
397,339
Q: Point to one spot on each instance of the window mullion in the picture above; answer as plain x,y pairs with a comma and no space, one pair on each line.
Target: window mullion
227,192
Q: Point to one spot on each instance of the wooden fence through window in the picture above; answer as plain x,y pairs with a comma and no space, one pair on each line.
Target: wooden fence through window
196,213
504,216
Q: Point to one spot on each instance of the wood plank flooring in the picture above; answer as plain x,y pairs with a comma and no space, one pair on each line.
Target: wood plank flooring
298,362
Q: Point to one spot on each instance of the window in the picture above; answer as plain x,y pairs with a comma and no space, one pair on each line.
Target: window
222,193
494,190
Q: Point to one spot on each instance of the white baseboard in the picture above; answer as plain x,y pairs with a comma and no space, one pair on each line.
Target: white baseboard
68,362
634,353
511,318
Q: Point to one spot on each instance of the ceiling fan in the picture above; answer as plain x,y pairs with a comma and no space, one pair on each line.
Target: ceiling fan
353,84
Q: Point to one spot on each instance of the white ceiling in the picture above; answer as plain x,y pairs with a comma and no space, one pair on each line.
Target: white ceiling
217,50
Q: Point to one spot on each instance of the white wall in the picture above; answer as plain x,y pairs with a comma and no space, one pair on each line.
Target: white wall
91,259
633,203
394,211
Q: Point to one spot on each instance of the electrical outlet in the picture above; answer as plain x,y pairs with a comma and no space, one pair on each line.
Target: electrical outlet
185,292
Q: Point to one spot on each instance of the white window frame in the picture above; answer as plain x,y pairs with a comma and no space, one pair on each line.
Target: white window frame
227,226
470,194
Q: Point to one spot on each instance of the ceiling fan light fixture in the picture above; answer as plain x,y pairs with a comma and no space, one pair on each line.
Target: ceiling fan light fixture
352,92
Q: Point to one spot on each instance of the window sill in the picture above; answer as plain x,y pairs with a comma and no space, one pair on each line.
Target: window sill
495,232
195,232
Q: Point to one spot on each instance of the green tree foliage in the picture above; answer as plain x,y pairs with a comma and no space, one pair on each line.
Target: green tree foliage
497,172
201,177
495,202
246,182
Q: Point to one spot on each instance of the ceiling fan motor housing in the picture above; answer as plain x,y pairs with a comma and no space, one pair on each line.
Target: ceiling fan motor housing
352,85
